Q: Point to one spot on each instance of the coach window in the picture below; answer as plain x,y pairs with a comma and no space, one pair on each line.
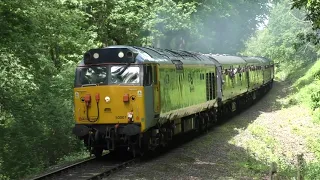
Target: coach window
147,75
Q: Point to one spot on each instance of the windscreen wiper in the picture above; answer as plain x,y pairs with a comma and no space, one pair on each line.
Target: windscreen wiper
123,70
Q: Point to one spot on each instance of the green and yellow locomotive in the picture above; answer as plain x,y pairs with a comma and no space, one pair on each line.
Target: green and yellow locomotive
138,98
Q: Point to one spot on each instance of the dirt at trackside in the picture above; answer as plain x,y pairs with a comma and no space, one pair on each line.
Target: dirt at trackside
242,148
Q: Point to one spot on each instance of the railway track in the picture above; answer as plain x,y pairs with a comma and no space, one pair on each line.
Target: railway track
89,169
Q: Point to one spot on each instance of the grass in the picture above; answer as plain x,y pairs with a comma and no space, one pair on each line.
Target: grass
74,157
68,160
306,91
307,88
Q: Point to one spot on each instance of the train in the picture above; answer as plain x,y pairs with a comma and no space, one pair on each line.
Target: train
136,98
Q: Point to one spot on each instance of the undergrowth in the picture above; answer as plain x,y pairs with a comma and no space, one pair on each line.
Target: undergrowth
74,156
305,90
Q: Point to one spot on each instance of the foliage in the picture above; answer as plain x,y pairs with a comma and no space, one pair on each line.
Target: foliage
312,9
289,40
42,41
312,171
312,14
73,157
307,92
36,83
307,88
204,26
278,40
224,26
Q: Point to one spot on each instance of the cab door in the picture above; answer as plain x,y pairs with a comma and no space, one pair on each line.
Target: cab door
219,83
156,89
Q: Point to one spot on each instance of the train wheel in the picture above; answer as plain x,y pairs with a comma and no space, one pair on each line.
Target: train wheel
97,151
228,110
254,96
239,105
206,120
120,153
219,115
198,124
223,112
145,143
212,118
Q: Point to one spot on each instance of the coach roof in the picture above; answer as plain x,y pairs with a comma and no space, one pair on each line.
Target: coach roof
227,59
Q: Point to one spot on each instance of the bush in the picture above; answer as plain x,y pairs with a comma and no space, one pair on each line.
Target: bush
312,171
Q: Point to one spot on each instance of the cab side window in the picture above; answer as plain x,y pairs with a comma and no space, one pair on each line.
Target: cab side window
147,75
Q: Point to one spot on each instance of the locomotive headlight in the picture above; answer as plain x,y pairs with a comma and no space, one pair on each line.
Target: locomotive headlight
107,99
120,54
96,55
130,117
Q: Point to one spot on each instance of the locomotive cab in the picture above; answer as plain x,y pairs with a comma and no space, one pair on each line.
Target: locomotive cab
110,93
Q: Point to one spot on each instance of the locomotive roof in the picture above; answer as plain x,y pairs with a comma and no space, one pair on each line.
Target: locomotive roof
136,54
111,54
166,55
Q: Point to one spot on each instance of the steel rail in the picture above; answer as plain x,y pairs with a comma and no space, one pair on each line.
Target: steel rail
108,171
99,175
63,169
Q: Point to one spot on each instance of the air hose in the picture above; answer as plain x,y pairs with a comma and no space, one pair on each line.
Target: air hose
87,106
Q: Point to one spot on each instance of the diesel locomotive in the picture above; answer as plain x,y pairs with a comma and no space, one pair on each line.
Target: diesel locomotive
140,98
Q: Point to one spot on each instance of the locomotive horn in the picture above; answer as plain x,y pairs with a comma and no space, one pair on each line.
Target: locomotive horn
87,57
129,54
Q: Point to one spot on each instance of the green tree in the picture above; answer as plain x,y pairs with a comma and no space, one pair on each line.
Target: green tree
312,10
313,15
40,41
278,41
224,26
